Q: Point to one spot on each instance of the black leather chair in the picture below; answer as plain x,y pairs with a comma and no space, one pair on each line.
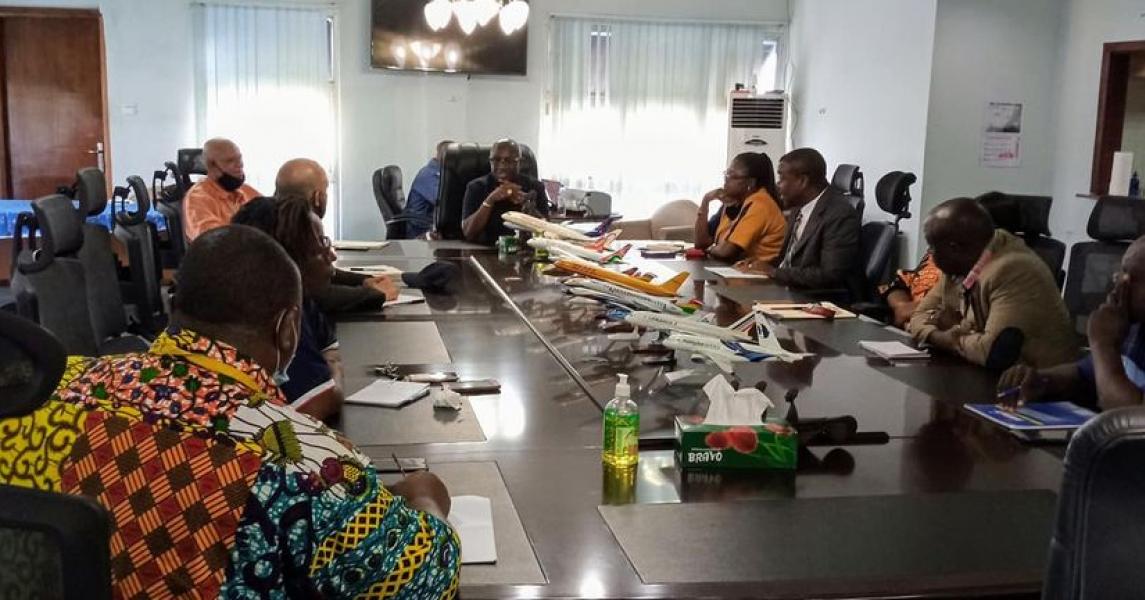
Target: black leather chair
189,161
892,194
52,545
1028,217
876,241
462,163
140,239
1113,224
391,199
848,181
1098,540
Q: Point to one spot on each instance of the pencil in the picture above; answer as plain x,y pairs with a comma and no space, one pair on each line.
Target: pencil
398,463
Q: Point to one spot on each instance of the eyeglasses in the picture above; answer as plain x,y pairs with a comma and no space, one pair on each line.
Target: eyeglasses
733,175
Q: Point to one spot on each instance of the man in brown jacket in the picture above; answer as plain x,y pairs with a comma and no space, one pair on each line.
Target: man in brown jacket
996,301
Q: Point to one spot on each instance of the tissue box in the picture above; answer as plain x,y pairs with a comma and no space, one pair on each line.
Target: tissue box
772,445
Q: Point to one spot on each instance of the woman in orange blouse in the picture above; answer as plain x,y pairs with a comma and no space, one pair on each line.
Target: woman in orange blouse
750,224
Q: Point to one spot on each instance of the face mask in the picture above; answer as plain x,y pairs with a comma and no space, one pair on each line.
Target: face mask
279,377
230,183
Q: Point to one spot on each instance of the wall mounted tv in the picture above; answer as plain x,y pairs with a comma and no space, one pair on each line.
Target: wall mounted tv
402,39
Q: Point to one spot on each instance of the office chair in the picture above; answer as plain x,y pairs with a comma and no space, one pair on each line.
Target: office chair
391,199
876,241
53,545
1097,544
892,194
1114,223
145,268
169,203
462,163
1028,218
848,181
189,161
105,295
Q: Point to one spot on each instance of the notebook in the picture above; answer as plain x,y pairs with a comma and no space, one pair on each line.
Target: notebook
393,272
405,299
893,350
472,518
734,273
1039,416
388,393
358,245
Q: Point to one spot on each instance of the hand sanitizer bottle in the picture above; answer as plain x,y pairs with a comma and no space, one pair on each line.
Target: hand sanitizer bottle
621,428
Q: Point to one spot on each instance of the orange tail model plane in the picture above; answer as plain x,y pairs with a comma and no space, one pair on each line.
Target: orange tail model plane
588,269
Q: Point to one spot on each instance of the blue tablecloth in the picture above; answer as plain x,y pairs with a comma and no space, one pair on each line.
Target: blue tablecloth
9,209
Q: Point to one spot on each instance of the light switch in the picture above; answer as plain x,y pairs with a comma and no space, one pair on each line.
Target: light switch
129,110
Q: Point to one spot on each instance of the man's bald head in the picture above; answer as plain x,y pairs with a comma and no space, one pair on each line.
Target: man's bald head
958,231
306,178
223,156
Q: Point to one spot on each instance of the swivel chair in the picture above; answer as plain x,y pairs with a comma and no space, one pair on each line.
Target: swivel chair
391,199
462,163
848,181
140,239
1028,217
1113,224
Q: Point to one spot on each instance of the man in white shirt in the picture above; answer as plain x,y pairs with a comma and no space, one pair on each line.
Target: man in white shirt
821,251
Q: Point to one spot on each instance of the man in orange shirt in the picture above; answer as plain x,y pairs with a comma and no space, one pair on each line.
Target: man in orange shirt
214,201
750,226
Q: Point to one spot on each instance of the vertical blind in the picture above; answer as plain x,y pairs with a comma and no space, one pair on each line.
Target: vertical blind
265,79
639,109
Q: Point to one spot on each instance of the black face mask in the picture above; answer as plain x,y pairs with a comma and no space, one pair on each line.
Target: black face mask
230,183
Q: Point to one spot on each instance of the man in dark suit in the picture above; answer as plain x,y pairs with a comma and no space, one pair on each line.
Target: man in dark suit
821,250
504,189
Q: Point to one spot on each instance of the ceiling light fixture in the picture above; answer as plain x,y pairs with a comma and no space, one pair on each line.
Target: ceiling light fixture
512,15
438,14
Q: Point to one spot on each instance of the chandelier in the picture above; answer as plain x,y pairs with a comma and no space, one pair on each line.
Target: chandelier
471,14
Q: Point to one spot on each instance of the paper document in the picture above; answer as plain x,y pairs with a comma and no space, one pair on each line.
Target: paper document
893,350
1036,416
734,273
389,394
790,310
472,517
358,245
405,299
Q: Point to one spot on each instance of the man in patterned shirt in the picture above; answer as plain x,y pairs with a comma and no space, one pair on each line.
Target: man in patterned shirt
216,487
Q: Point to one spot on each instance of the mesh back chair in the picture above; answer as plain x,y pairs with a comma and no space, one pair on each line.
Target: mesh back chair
139,238
462,163
1114,223
51,545
1097,543
391,199
1028,217
169,203
848,181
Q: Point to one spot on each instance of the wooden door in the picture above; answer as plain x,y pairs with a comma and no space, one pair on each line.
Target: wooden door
54,100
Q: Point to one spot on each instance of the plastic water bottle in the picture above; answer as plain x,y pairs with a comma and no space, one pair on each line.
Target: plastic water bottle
621,428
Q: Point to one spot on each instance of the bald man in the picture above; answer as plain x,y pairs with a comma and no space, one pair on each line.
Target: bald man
348,292
1113,375
996,301
213,201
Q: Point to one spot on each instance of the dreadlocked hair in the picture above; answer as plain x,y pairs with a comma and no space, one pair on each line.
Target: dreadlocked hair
294,229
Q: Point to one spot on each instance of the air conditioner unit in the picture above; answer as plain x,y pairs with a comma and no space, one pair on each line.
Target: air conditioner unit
757,123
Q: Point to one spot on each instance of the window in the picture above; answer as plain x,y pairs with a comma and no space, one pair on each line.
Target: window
265,78
639,109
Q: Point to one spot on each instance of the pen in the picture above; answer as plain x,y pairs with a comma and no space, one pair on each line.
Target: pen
1026,418
398,463
1006,393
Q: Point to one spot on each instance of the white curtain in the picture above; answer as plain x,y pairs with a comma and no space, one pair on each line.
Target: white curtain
265,79
639,109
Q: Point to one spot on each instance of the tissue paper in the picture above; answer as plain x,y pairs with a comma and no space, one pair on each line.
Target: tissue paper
731,407
1121,174
733,434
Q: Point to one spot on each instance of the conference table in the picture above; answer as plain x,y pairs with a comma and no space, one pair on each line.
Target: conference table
948,506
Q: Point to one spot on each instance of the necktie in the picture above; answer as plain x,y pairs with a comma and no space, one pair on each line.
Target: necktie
794,239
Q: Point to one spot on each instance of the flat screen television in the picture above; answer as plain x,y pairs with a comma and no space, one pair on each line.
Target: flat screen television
402,39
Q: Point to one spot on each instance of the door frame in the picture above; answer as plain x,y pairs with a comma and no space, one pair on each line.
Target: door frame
55,13
1112,96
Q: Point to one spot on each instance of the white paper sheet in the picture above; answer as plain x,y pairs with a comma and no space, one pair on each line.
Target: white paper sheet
374,270
405,299
389,394
734,273
358,245
893,350
472,518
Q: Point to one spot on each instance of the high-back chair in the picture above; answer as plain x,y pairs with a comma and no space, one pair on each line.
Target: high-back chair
848,181
140,239
1113,224
105,297
1028,217
463,162
168,201
390,196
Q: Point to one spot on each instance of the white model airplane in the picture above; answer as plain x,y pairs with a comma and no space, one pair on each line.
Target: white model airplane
519,220
616,295
597,251
723,353
643,319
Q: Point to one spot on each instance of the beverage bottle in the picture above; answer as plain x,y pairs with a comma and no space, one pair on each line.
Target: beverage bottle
621,428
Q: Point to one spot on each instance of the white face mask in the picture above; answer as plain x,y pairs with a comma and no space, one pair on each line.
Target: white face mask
280,376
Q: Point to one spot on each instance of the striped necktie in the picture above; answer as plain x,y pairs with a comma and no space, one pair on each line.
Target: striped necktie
794,239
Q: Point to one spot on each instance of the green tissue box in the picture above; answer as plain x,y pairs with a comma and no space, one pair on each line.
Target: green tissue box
772,445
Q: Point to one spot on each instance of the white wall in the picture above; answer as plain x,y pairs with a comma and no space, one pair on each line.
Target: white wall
397,118
985,51
861,82
148,53
1088,25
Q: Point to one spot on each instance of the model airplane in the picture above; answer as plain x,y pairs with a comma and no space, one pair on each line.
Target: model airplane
643,319
541,227
723,353
617,295
597,251
594,271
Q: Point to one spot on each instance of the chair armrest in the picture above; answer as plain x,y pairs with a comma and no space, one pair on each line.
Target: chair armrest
682,233
640,229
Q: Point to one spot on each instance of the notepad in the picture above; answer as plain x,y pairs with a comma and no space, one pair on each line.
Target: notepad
1040,416
389,394
393,272
893,350
405,299
794,310
358,245
734,273
472,518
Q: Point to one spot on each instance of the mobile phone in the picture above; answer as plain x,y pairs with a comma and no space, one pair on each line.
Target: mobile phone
404,465
476,386
435,377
